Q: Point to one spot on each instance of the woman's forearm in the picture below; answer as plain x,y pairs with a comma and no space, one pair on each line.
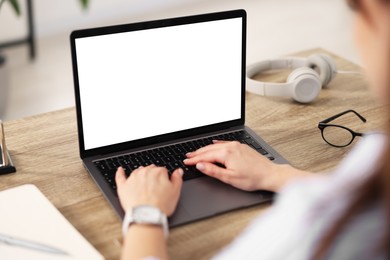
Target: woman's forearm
143,241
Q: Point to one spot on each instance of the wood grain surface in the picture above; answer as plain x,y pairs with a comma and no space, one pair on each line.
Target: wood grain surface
44,149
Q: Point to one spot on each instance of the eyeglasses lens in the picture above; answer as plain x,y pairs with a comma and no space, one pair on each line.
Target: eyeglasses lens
337,136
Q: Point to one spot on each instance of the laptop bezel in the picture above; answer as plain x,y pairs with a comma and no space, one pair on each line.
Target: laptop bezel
152,25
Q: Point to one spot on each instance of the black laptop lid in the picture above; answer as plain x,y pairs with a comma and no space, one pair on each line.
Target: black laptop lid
142,83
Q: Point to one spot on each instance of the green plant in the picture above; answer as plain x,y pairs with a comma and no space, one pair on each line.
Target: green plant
15,4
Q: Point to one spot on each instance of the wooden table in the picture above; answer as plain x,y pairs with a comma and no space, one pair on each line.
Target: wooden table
44,149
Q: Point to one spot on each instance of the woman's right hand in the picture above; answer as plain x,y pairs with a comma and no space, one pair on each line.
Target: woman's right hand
244,168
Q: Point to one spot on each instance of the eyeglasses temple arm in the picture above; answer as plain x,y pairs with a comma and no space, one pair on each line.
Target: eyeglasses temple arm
358,134
343,113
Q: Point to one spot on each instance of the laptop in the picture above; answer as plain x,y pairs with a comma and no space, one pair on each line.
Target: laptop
152,91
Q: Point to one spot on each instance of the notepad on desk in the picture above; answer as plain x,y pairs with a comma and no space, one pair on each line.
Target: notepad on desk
27,215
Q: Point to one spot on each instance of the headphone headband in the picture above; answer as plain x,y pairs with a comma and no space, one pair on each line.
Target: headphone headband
276,64
271,89
316,70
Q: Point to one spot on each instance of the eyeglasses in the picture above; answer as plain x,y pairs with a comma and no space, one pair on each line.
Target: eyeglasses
337,135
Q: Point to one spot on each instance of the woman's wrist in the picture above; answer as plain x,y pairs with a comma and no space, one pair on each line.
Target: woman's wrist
145,241
281,175
136,229
145,215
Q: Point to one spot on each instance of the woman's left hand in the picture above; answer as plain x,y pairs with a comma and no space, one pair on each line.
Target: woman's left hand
150,186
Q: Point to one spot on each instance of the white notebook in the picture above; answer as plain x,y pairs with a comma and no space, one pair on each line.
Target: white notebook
25,213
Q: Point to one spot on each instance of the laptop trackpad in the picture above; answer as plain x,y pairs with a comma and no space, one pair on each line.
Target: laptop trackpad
207,196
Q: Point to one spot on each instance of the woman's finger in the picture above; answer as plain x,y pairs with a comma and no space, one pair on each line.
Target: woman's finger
220,141
177,180
215,171
215,156
120,177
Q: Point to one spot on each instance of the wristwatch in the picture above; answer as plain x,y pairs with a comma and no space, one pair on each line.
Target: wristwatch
145,215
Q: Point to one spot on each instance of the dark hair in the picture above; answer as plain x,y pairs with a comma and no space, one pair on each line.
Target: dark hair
354,4
375,190
357,6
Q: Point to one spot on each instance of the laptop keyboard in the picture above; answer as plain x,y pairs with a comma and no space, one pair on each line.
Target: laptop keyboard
170,156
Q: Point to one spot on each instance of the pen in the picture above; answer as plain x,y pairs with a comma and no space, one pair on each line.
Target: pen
12,241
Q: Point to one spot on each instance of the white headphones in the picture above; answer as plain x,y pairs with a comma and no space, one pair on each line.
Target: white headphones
303,84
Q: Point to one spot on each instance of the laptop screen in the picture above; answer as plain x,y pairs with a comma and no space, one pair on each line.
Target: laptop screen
144,83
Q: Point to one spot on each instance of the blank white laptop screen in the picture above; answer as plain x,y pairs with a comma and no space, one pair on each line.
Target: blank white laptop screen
150,82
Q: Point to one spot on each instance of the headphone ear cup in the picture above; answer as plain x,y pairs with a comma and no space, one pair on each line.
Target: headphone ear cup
324,65
305,85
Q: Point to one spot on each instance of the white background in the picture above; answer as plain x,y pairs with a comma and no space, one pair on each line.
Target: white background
145,83
275,28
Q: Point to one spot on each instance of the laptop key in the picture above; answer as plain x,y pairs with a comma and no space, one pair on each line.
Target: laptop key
242,135
145,164
179,157
134,166
192,173
109,173
177,165
262,151
253,143
168,159
158,162
101,165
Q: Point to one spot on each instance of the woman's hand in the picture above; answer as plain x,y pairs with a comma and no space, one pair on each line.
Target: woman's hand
151,186
244,167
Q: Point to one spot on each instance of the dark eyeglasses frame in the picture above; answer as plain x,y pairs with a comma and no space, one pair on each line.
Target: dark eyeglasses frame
323,124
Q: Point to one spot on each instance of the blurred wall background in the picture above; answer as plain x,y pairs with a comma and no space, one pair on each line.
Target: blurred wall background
275,28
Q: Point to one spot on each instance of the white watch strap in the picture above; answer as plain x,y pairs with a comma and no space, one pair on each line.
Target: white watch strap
128,220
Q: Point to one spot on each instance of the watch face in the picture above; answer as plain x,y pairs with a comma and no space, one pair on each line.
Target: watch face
146,214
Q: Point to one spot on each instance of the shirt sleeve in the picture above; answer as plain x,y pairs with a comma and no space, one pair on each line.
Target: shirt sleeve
305,209
278,233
